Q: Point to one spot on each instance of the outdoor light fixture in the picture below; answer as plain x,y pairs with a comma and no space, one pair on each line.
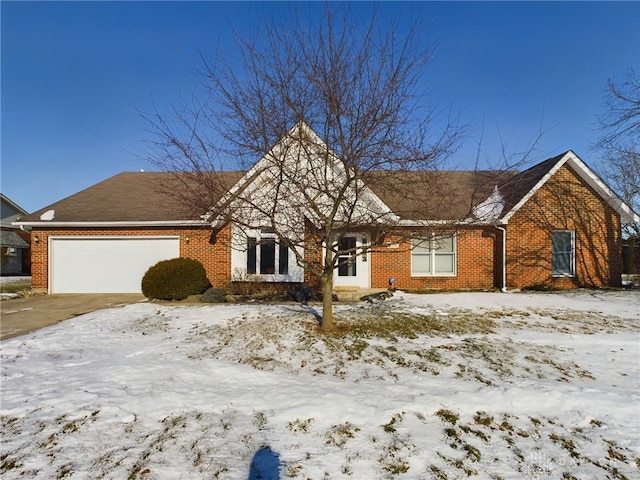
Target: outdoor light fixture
36,239
186,239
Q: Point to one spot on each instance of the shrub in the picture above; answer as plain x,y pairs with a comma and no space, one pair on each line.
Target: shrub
175,279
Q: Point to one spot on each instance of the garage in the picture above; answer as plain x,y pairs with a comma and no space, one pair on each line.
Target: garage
105,264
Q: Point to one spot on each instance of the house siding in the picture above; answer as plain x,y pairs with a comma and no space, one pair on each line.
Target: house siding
564,202
475,269
194,243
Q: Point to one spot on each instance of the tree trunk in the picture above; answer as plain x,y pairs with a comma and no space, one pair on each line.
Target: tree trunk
326,281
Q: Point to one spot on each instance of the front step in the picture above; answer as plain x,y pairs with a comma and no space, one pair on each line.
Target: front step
354,294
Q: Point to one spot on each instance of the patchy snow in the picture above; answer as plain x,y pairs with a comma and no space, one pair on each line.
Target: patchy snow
491,208
442,386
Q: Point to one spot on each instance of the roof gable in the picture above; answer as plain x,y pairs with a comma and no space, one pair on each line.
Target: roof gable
299,176
10,210
520,188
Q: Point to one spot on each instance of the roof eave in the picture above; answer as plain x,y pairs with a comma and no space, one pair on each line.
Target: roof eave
135,223
442,223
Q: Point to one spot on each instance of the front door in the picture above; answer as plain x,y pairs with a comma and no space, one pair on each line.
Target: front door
353,263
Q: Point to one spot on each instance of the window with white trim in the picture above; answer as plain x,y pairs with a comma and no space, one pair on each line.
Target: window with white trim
434,255
563,248
266,255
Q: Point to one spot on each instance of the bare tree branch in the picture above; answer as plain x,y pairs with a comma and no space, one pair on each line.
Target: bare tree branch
358,83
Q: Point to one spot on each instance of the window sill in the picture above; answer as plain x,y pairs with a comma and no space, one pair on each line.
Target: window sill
433,275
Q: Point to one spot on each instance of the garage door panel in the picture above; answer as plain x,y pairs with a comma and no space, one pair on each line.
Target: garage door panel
106,265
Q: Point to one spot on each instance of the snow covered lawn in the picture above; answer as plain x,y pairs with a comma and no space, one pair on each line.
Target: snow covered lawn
444,386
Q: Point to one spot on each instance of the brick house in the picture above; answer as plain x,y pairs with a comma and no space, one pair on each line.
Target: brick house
556,224
14,243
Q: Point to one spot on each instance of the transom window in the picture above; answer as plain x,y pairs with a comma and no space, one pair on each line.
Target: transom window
434,255
563,247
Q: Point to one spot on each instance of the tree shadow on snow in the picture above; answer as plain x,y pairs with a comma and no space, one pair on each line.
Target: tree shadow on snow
309,309
265,465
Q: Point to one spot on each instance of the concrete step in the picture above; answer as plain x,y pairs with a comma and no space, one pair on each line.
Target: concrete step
354,294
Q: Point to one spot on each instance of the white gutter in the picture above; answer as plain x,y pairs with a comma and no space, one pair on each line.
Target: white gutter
504,258
159,223
432,223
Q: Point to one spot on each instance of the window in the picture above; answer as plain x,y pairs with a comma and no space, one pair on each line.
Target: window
563,253
252,254
283,260
347,257
434,255
264,254
268,256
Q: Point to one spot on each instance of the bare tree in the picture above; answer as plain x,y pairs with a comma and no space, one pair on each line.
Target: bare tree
325,105
620,139
619,145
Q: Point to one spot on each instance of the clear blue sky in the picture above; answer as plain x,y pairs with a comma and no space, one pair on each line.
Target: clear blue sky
72,70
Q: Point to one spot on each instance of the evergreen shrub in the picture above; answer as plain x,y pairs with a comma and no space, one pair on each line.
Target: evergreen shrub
174,279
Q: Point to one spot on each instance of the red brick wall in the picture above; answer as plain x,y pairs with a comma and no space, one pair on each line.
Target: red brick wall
564,203
313,255
475,263
194,243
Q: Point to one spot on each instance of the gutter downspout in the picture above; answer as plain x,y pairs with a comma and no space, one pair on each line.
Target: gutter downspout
504,258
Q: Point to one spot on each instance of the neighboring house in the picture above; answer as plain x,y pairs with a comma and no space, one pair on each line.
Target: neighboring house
556,224
14,243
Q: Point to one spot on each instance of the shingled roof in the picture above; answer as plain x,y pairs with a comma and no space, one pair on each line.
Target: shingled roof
430,195
141,197
517,186
138,197
125,197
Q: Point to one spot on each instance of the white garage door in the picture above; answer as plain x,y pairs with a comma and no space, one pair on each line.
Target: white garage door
105,264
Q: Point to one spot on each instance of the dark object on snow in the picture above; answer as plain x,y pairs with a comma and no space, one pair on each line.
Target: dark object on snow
265,465
214,295
377,296
300,293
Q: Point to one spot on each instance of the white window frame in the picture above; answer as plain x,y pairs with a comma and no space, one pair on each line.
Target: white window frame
572,260
266,235
433,253
239,258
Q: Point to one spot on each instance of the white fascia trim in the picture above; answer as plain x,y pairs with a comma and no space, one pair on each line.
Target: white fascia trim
258,169
172,223
432,223
505,219
627,215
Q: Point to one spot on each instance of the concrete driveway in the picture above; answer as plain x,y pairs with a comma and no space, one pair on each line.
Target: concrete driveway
19,316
